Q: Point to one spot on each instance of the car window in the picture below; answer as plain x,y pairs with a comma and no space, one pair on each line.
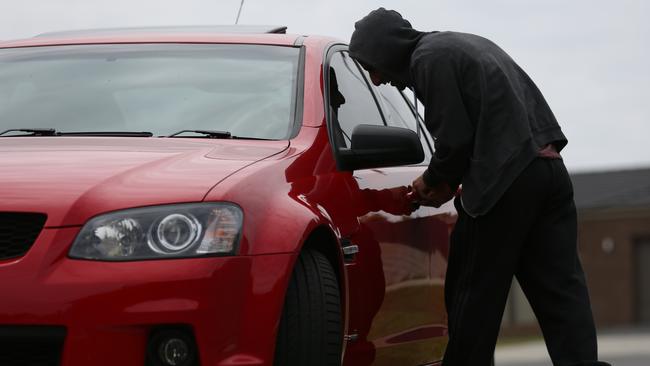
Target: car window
247,90
399,113
350,100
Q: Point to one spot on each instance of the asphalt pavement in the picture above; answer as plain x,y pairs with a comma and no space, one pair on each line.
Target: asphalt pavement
622,347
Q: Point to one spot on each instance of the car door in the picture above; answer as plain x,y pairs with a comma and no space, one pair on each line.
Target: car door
425,232
396,306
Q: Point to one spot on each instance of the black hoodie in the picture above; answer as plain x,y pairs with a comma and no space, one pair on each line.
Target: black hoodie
488,118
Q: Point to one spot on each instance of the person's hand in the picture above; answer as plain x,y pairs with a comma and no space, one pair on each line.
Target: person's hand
432,196
420,189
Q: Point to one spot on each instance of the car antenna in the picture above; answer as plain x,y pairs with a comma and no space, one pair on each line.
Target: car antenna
241,5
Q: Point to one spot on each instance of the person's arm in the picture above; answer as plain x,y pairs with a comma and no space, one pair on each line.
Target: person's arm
439,85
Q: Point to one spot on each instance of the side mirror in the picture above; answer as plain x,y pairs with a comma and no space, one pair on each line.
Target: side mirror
381,146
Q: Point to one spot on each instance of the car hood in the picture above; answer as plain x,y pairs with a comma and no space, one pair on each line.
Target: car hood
74,178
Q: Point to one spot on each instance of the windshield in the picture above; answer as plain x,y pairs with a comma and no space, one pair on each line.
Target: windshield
247,90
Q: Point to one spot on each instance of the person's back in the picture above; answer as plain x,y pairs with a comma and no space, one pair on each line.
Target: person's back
506,113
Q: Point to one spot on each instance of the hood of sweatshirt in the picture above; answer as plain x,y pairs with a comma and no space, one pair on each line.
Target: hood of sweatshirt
384,41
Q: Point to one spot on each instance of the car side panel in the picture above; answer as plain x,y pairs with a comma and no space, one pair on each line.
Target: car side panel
402,263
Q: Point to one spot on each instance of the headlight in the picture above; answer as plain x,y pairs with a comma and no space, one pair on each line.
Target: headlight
173,231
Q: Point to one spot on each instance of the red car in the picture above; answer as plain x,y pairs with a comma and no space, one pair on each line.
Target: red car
211,196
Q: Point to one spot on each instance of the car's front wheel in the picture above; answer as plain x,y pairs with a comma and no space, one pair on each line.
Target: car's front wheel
311,332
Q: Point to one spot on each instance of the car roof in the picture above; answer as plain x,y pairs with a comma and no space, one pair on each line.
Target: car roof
238,29
254,34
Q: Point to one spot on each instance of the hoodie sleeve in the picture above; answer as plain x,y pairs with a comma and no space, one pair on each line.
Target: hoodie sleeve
437,79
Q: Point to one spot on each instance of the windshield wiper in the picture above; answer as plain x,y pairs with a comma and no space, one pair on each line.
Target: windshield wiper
214,135
209,133
52,132
31,131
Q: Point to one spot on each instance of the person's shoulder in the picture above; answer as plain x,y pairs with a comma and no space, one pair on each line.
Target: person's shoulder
455,42
455,46
445,45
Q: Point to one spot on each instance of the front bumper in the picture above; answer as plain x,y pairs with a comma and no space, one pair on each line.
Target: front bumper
108,309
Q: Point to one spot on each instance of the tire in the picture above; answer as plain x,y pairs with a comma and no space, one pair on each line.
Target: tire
310,331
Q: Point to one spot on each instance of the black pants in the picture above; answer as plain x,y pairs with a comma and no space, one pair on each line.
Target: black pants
530,234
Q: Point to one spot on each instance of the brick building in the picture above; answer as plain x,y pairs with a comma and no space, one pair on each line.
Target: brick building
614,243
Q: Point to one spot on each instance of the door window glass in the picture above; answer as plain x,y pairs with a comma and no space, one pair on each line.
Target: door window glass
351,102
399,113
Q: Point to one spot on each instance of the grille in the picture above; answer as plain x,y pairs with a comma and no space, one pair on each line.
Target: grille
31,345
18,231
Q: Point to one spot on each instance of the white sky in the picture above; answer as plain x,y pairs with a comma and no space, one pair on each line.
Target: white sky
590,58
